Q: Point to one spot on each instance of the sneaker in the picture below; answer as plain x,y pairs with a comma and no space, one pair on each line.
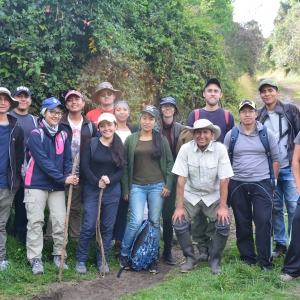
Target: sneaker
203,256
57,260
3,265
99,265
117,248
153,268
80,267
279,250
37,266
124,262
287,277
169,258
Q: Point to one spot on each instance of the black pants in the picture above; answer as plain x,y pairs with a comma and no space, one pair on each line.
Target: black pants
253,201
20,221
292,260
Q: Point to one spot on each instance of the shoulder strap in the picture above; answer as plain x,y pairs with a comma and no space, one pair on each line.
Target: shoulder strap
91,128
94,144
197,114
234,136
17,130
226,114
42,134
63,135
263,135
34,121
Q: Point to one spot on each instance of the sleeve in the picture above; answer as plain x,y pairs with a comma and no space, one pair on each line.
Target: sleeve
191,119
227,139
296,117
224,165
125,187
40,157
68,164
180,167
86,164
273,146
19,150
169,164
117,175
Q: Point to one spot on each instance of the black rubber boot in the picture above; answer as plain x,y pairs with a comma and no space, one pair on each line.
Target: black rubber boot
186,245
218,245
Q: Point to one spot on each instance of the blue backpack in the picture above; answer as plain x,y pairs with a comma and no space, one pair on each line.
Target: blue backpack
263,135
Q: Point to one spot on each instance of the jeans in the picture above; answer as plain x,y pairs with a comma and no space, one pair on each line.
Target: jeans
286,193
138,196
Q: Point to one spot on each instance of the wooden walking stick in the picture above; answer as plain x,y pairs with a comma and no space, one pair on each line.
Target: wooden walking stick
67,222
98,234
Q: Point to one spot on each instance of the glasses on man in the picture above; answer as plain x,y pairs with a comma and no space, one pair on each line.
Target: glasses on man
247,111
54,113
107,93
169,106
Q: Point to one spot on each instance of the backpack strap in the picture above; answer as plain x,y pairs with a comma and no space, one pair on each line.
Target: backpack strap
263,135
226,114
288,114
197,114
233,138
34,121
94,144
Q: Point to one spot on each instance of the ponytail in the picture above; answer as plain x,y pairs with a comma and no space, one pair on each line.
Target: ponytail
157,145
116,150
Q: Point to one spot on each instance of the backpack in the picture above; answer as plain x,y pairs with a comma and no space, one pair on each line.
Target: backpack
94,144
263,135
26,164
143,249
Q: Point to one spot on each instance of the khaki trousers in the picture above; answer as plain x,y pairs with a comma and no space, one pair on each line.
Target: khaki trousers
35,201
6,200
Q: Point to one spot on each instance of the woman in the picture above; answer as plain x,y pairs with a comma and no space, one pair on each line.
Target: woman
122,113
103,167
147,177
49,167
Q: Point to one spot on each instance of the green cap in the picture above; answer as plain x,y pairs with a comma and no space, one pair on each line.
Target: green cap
268,81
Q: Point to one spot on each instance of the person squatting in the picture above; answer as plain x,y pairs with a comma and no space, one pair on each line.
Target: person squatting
160,167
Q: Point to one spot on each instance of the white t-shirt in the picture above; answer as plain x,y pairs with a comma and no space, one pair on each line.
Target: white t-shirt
76,139
123,134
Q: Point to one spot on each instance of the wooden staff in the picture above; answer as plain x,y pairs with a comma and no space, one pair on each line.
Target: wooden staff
98,234
67,222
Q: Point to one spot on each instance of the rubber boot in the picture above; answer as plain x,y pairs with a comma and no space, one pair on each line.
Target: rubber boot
186,245
218,245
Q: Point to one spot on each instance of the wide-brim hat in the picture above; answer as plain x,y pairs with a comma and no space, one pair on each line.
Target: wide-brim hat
14,103
204,123
102,86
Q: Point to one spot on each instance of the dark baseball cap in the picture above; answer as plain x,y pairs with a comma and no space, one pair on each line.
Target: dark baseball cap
21,89
268,81
150,109
247,102
51,103
213,81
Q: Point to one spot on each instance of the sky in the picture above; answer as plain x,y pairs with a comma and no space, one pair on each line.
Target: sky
262,11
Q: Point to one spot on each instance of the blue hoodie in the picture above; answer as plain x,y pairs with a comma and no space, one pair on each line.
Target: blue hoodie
52,160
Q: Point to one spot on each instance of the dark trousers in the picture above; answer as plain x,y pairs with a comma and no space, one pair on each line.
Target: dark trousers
253,201
121,220
20,221
167,213
109,207
292,260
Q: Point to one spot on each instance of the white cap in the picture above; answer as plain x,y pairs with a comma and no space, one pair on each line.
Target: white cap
107,117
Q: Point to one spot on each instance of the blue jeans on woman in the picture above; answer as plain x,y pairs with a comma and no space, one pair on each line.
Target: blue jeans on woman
138,196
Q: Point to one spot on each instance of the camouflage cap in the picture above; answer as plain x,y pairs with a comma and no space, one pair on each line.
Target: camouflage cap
268,81
247,102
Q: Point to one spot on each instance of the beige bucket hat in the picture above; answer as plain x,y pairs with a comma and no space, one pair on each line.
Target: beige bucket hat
204,123
14,103
105,85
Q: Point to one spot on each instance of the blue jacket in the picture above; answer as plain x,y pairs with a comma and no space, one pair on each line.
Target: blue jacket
51,160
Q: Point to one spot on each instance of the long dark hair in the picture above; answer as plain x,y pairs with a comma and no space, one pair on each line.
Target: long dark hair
157,145
116,149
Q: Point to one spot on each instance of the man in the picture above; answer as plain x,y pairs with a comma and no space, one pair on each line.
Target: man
104,97
291,267
11,159
284,121
79,129
28,122
212,94
205,163
171,130
251,186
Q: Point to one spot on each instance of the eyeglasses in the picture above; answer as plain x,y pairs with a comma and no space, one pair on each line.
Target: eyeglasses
168,106
54,113
247,111
107,93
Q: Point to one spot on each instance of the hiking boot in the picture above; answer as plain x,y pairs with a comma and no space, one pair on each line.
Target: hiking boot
124,262
117,248
153,268
278,251
57,260
203,256
37,266
3,265
287,277
169,258
80,267
100,269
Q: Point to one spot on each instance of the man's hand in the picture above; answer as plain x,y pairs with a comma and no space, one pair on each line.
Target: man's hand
178,214
223,216
165,192
126,197
72,179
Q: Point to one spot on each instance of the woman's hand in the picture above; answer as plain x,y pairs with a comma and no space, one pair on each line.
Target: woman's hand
72,179
126,197
165,192
105,179
102,184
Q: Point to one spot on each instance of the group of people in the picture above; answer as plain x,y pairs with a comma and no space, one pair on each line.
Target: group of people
186,174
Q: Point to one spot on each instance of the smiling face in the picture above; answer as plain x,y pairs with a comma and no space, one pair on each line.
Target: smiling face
53,116
107,129
147,122
248,115
202,137
121,113
5,103
24,102
212,94
106,97
269,95
168,110
74,103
